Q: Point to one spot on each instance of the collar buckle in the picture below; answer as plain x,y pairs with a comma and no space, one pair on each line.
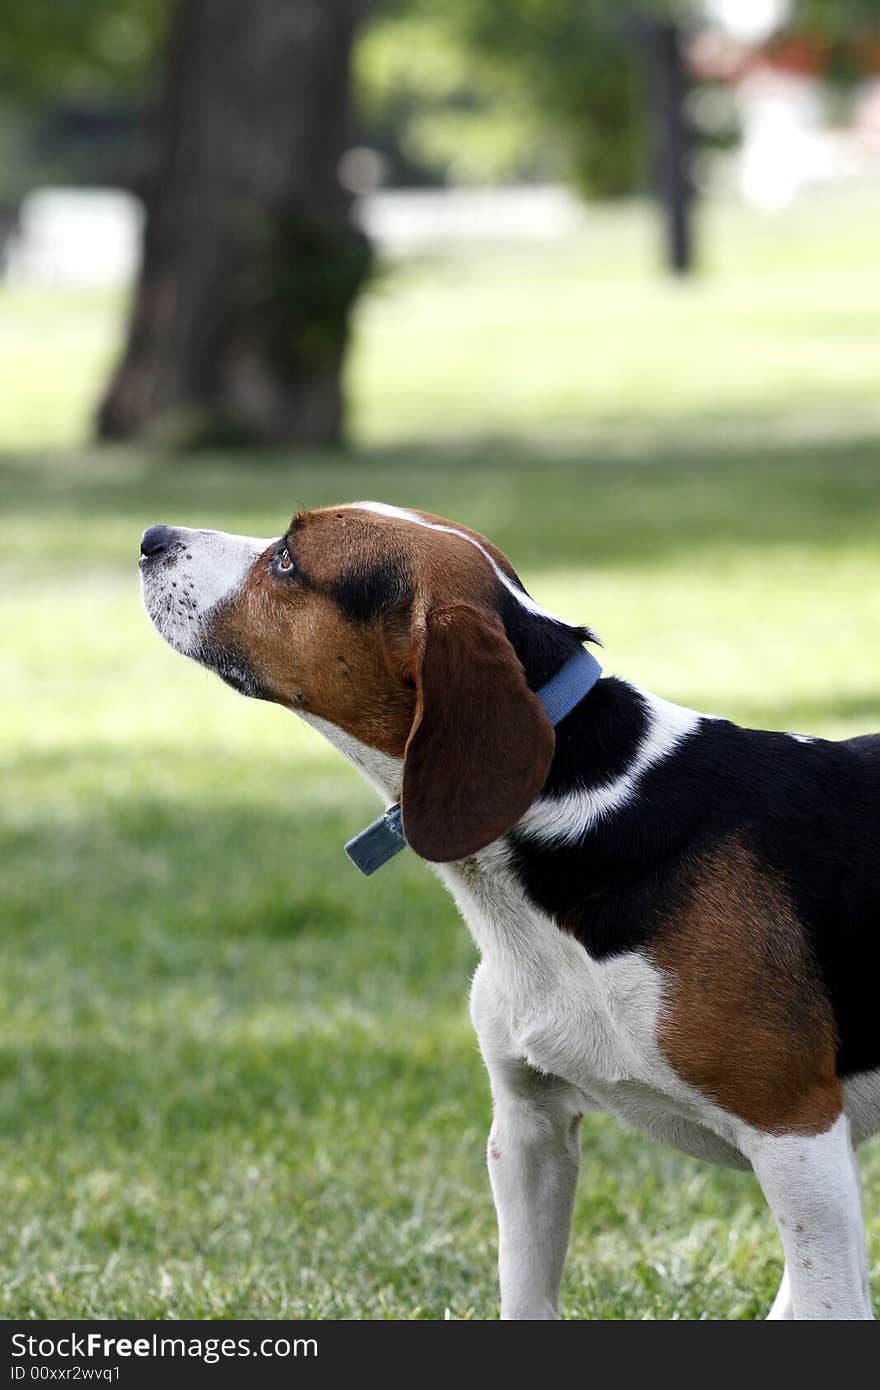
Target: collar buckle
374,846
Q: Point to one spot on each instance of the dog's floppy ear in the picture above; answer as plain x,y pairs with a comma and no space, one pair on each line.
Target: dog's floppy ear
480,745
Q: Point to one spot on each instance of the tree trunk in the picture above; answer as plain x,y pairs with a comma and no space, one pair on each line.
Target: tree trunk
675,185
250,264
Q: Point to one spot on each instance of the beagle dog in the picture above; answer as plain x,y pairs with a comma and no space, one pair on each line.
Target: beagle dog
678,919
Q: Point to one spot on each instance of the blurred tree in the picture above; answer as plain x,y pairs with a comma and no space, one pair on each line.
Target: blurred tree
498,89
475,90
250,265
241,314
592,92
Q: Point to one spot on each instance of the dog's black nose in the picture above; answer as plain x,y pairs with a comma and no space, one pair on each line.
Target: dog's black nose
155,539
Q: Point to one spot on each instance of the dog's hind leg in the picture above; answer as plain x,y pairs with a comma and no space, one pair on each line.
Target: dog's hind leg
533,1157
812,1187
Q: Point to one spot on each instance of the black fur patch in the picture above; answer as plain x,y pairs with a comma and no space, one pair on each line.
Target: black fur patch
600,737
542,644
810,812
233,668
369,592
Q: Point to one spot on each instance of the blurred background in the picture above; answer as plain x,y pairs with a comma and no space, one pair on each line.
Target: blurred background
602,281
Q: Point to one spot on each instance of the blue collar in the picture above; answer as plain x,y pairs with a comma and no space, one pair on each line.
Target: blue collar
374,846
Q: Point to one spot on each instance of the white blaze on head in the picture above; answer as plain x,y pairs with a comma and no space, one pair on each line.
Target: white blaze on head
400,514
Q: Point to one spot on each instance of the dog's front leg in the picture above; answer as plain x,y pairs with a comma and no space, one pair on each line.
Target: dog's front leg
811,1184
533,1156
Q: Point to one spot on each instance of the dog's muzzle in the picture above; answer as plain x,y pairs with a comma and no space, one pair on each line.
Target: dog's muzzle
186,576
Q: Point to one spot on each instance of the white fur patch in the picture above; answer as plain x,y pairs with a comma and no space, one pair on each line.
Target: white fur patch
383,772
590,1023
400,514
566,819
812,1187
202,568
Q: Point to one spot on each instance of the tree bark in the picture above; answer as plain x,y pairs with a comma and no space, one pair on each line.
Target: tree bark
675,186
250,263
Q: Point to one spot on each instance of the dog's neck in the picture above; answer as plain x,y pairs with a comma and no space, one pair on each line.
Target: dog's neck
595,744
383,772
602,747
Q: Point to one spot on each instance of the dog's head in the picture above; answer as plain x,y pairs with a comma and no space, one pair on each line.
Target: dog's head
413,636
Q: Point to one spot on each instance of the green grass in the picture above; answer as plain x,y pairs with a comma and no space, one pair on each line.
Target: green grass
236,1080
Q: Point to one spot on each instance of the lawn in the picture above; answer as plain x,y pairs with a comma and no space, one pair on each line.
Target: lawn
236,1080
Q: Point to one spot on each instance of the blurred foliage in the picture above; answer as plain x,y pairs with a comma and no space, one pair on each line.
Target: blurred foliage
837,18
478,90
301,279
74,78
470,91
492,89
439,109
79,49
838,39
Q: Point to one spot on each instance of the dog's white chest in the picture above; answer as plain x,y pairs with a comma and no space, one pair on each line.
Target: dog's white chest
590,1023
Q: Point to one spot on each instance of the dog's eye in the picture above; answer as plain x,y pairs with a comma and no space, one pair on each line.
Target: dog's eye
284,560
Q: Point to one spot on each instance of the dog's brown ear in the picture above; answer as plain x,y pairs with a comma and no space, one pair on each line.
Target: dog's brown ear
480,745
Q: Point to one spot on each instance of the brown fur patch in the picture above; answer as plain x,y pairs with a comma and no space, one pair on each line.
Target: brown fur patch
746,1019
431,678
445,568
481,742
306,653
